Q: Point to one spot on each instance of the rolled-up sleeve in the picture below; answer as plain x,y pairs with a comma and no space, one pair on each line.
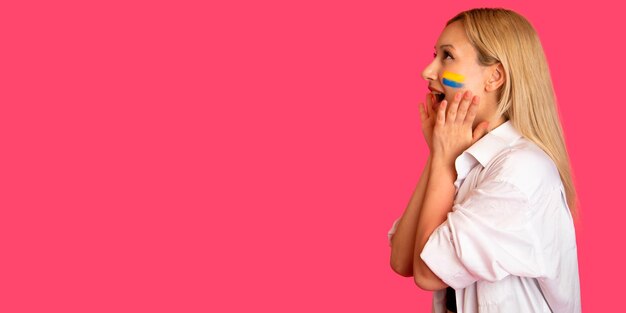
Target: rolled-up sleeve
488,236
392,230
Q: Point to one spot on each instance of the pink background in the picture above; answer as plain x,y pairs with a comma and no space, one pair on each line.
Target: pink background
251,156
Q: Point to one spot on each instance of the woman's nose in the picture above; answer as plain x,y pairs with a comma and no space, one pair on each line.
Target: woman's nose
429,73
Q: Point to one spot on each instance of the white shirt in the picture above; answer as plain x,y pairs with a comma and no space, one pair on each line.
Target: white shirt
509,243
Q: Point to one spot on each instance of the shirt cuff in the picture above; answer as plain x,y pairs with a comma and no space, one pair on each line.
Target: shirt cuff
440,256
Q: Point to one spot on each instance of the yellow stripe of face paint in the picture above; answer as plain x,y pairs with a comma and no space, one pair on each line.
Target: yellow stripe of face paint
454,76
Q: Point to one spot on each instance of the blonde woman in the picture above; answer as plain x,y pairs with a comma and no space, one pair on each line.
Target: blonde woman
490,226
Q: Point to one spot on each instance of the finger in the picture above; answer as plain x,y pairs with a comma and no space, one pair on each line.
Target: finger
471,114
462,113
441,113
430,100
430,110
452,110
467,99
422,113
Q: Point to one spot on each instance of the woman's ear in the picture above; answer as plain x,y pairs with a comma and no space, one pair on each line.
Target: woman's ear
496,78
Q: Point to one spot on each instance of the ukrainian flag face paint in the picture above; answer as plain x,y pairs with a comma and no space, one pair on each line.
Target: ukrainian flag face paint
453,80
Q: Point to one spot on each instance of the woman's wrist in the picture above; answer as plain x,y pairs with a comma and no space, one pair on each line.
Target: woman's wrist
440,163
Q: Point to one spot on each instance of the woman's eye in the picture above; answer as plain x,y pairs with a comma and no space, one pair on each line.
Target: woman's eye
446,55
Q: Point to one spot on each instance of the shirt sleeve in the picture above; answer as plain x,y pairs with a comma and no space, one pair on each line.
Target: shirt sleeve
392,230
488,236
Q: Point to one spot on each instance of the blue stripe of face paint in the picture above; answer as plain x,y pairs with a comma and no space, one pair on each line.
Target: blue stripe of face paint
452,83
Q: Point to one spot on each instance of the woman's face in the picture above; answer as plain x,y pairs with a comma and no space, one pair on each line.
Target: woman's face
457,59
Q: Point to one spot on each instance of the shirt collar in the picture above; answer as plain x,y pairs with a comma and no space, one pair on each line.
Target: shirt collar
485,149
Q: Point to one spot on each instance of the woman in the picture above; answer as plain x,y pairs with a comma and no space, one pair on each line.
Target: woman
490,225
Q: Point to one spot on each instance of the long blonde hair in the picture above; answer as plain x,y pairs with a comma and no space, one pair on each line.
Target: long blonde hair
527,97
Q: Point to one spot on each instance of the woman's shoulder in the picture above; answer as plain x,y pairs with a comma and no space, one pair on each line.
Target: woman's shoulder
525,165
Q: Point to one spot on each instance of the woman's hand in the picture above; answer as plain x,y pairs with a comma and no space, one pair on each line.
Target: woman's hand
427,118
452,133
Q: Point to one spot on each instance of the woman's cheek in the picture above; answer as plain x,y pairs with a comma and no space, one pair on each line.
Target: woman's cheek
453,80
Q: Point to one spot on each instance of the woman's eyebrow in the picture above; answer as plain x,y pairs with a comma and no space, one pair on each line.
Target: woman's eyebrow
446,45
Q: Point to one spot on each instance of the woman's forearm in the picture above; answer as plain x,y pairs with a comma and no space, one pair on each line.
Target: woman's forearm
403,241
437,204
